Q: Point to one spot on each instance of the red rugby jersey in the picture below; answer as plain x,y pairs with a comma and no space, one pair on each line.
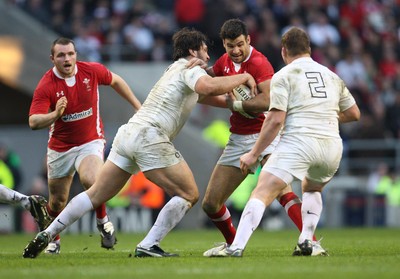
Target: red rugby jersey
259,67
80,122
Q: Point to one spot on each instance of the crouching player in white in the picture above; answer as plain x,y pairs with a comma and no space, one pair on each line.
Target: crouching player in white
309,101
145,144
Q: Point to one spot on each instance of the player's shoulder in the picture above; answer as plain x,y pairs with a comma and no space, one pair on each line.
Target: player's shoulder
89,66
88,63
283,73
258,61
257,58
47,79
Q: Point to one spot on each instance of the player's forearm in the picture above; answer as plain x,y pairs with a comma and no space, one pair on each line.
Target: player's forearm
209,86
128,95
40,121
270,129
257,104
351,114
123,89
267,135
215,101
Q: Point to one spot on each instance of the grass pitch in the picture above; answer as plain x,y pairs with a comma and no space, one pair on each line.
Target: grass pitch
354,253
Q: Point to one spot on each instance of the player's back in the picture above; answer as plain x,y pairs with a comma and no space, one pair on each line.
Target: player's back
312,98
171,99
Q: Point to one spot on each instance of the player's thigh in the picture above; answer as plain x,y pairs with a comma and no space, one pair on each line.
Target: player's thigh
89,159
268,187
292,155
88,170
176,180
223,182
111,179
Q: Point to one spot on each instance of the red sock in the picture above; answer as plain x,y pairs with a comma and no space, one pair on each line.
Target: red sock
101,211
53,215
292,204
223,221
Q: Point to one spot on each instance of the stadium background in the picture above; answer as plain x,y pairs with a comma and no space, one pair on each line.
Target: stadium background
133,39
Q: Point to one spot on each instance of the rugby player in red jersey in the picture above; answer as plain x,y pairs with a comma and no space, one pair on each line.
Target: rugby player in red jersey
66,101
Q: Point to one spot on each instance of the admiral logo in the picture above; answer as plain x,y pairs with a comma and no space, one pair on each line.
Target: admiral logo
226,69
77,116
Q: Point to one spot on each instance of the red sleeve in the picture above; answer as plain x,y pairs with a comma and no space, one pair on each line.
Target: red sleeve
41,102
102,72
219,65
260,68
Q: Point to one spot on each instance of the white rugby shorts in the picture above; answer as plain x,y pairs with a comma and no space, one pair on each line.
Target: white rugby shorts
297,156
61,164
238,145
142,148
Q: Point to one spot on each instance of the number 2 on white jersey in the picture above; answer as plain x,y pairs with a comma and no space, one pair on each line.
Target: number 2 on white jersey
316,84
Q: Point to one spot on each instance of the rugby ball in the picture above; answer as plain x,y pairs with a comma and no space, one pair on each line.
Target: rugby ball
242,93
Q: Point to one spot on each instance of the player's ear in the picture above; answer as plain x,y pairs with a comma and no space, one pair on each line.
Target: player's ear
283,53
193,52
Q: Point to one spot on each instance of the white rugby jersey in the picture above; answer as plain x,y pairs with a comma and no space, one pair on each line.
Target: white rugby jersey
312,96
171,99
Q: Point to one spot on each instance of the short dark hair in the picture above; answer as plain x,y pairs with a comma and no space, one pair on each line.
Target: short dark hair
186,39
233,28
61,41
296,41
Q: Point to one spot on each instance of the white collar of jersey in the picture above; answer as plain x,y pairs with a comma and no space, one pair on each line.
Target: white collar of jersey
58,74
237,66
300,59
248,57
70,81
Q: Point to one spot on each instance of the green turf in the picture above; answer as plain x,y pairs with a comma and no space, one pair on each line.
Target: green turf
354,253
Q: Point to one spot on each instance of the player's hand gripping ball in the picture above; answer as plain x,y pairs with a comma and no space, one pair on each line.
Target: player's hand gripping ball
243,93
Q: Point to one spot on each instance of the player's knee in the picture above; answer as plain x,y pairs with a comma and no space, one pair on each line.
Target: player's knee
191,196
194,197
208,206
58,205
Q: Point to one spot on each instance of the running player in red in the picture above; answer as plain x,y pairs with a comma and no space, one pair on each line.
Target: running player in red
66,101
241,57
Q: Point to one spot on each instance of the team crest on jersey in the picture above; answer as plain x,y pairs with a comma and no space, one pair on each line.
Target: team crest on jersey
226,69
86,81
60,94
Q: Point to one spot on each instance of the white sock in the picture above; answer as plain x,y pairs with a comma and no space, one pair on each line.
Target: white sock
102,221
249,221
169,216
311,213
74,210
10,196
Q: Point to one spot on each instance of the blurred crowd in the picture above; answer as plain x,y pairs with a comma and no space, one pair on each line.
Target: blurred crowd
358,39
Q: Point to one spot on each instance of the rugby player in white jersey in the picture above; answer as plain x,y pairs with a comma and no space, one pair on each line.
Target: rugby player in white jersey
308,101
